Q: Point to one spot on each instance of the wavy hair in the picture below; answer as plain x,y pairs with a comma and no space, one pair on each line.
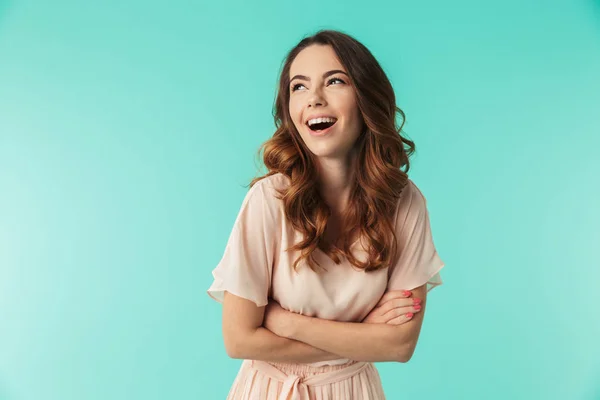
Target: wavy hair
380,156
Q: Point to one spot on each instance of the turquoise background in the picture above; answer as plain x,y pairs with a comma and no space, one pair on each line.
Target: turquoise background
127,130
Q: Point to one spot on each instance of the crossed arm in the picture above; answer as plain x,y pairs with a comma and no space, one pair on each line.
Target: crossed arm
303,339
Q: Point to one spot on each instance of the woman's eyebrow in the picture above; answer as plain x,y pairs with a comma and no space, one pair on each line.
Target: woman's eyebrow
325,75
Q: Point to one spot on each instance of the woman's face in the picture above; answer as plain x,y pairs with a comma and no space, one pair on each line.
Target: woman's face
315,91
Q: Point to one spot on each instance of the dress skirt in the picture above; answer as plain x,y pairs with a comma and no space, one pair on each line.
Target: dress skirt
260,380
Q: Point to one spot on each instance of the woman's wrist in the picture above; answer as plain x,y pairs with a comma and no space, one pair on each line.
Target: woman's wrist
297,325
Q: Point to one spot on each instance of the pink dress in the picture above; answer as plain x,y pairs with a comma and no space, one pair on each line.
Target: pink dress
255,266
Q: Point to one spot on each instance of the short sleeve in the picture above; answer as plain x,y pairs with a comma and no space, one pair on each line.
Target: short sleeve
418,262
246,265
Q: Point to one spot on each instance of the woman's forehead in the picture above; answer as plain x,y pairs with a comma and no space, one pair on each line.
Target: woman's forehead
315,60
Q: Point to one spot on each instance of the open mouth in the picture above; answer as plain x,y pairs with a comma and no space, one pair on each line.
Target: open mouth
321,126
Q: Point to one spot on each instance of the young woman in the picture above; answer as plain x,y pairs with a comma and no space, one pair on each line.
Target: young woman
331,256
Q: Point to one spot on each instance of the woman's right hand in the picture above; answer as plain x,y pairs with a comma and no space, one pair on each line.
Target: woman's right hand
395,307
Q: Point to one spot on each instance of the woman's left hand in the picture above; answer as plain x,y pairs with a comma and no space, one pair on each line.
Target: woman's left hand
277,319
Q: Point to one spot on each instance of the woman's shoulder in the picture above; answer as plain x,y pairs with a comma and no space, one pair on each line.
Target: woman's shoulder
412,193
267,191
271,185
276,181
411,202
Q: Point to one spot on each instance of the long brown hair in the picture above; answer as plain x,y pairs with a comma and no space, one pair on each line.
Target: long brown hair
381,154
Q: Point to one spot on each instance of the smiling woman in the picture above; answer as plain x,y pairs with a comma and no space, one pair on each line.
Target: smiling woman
331,256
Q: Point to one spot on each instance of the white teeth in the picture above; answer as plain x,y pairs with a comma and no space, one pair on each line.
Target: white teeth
320,120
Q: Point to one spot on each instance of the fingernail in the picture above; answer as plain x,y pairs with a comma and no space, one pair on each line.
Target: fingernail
409,315
407,293
417,307
416,301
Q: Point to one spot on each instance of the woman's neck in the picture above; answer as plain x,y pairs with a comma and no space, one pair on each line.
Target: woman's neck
336,178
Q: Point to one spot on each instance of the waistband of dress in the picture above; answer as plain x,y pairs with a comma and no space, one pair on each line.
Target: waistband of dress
306,370
301,369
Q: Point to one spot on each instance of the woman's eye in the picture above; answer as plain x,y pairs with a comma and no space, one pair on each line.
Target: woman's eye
295,87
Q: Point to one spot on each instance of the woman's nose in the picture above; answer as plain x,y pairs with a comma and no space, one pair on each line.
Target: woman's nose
316,99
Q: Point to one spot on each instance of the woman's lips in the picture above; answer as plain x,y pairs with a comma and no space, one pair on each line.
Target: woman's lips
321,132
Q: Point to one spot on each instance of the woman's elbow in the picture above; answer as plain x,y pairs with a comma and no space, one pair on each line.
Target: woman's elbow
231,348
234,345
239,344
405,353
